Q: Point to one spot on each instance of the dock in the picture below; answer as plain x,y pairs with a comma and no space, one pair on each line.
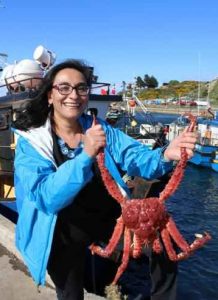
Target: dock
15,281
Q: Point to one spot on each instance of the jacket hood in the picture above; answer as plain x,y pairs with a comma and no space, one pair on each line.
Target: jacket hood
40,138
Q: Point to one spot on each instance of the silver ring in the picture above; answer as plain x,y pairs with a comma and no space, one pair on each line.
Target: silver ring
195,148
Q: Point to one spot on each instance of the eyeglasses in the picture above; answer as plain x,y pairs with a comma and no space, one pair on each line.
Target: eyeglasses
66,89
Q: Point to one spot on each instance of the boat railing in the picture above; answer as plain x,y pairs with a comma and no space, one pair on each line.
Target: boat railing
18,86
137,101
146,113
141,105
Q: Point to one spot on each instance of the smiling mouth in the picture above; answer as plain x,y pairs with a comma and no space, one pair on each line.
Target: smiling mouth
72,105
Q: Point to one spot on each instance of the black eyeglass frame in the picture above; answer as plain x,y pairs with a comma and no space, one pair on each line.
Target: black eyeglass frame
79,92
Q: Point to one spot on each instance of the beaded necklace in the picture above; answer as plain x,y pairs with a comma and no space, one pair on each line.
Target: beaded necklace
66,150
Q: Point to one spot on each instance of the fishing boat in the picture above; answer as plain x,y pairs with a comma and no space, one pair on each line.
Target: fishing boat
148,133
137,121
206,150
114,113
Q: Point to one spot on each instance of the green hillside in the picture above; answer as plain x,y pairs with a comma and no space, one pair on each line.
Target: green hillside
175,89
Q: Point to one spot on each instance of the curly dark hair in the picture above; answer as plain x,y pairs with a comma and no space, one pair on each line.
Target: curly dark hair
35,112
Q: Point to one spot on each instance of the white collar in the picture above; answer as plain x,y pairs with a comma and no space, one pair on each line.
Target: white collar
41,139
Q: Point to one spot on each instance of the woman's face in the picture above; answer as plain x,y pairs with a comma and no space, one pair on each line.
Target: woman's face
68,107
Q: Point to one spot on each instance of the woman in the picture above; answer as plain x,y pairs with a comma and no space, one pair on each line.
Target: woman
62,203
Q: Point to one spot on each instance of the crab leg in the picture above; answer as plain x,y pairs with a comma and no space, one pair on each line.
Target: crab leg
109,182
174,181
172,232
137,246
178,173
176,235
125,257
198,243
114,240
168,245
180,241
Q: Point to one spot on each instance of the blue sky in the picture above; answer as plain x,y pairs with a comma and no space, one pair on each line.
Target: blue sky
121,39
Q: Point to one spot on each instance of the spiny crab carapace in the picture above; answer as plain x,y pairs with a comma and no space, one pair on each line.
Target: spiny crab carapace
142,220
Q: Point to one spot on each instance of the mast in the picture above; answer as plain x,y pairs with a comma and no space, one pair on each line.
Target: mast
199,82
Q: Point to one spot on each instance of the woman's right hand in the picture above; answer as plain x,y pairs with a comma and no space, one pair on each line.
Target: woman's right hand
94,140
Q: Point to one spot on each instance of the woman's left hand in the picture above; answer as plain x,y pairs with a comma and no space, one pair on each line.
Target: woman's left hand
184,140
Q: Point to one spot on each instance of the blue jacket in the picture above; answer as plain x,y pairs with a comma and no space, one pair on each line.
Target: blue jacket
42,189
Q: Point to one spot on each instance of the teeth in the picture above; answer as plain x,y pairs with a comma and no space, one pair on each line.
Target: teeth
71,105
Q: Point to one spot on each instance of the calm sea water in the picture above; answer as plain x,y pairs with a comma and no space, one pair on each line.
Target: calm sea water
156,117
194,207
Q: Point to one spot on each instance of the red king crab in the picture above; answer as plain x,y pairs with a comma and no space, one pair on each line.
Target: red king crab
142,219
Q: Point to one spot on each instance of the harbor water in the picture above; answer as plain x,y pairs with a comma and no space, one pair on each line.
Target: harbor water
194,207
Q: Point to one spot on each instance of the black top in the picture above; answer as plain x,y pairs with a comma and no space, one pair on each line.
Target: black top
90,218
93,211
